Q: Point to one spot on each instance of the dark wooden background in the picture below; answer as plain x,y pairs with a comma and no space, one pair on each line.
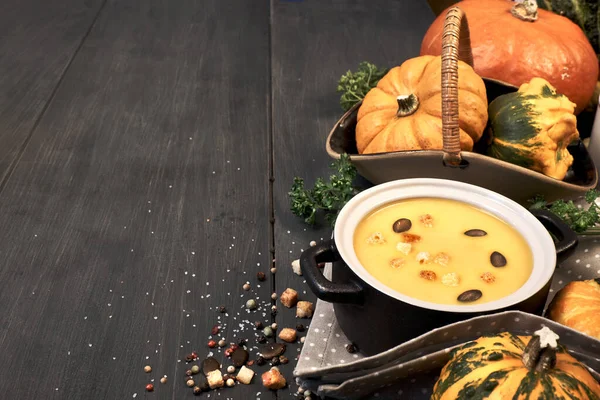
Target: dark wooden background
147,149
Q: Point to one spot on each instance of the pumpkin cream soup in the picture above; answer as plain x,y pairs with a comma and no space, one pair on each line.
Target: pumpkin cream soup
442,251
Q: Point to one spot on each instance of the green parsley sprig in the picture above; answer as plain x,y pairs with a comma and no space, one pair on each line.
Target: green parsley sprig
582,220
327,197
354,86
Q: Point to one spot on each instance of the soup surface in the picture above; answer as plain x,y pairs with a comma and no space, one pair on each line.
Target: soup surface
443,251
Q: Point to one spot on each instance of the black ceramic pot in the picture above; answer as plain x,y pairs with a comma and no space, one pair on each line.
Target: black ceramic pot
376,321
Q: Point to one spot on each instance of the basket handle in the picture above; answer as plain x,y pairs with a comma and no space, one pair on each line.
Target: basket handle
456,44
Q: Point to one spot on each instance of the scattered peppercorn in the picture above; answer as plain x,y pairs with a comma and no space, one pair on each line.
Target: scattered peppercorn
197,390
302,339
149,387
242,342
191,357
273,270
212,344
215,330
300,328
283,359
251,304
190,382
274,296
261,339
246,286
258,325
274,326
222,310
351,348
231,369
268,331
222,343
163,380
261,276
195,369
230,382
147,369
275,361
250,363
261,361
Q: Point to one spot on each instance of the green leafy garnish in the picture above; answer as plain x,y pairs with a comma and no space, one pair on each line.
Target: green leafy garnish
354,86
328,197
581,220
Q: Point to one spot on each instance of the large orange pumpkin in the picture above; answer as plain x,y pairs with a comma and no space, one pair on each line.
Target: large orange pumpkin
404,111
513,51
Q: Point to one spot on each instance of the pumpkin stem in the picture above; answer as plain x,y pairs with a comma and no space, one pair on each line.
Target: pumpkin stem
407,104
525,10
540,352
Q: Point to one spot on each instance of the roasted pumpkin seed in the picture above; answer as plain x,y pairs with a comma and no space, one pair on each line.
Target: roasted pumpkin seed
475,232
470,295
402,225
497,259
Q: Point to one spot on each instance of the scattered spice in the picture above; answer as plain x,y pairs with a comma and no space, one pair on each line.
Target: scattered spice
191,357
312,243
215,330
302,339
251,304
283,359
197,390
189,372
163,380
212,344
300,328
222,309
149,387
190,382
261,361
261,339
242,342
230,369
222,343
351,348
230,382
274,296
275,361
268,331
261,276
250,363
273,270
147,369
195,369
246,286
274,326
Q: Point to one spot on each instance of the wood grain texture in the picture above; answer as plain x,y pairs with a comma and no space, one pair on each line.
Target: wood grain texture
140,205
37,41
314,43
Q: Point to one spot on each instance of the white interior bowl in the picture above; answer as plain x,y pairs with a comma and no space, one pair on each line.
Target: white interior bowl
539,240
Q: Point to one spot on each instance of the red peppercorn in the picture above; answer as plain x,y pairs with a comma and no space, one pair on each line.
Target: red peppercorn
215,329
149,387
212,344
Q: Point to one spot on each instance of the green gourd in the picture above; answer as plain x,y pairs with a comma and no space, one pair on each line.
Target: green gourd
533,127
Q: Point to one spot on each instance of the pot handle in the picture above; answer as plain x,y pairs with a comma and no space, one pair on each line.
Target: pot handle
324,289
567,238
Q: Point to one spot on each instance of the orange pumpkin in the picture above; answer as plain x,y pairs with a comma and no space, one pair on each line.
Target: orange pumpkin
404,111
512,44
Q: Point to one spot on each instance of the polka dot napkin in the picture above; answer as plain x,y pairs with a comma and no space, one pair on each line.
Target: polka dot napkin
410,370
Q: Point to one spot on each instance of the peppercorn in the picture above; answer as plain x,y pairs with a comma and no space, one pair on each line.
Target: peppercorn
212,344
242,342
251,304
191,357
250,363
261,361
149,387
261,276
190,382
258,325
302,339
197,390
274,326
230,382
283,359
273,270
189,372
222,310
275,361
261,339
163,380
147,369
268,331
300,328
274,296
215,330
195,369
231,369
246,286
351,348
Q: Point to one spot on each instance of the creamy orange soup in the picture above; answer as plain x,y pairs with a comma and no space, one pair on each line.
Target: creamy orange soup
443,251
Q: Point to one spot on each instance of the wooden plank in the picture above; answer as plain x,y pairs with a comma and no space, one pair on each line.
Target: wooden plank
38,40
140,206
328,39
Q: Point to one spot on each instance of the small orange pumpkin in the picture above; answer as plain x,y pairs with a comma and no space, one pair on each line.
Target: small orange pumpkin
404,111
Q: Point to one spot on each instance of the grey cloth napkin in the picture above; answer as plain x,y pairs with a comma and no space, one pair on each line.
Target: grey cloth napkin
410,370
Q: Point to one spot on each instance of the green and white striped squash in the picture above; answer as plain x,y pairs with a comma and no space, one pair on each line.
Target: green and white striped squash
511,367
532,128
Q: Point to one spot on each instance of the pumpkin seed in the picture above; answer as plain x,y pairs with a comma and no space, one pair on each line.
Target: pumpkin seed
497,259
402,225
475,232
470,295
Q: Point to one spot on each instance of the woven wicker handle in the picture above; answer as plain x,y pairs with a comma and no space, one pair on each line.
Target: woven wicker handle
456,44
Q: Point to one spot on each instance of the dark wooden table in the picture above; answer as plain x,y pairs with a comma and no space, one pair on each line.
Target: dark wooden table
147,150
